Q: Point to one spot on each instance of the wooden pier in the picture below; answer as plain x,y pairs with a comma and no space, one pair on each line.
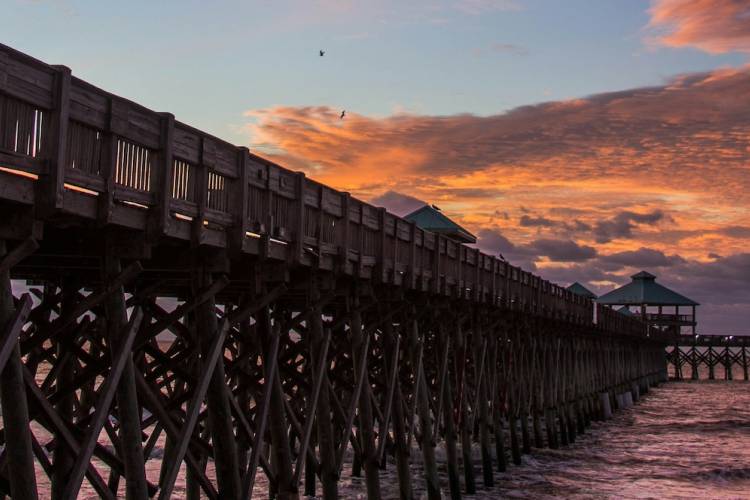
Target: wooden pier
181,289
696,357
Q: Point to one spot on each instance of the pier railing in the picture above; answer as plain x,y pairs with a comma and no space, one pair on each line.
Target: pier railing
100,156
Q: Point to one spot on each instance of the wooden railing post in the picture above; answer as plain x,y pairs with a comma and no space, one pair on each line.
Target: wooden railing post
239,201
299,231
163,175
343,248
436,268
108,165
58,141
412,269
201,190
380,257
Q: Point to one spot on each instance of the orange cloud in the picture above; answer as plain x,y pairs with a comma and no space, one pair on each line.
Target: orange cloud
714,26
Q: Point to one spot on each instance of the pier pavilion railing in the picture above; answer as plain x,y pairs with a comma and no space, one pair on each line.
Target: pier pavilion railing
701,356
187,295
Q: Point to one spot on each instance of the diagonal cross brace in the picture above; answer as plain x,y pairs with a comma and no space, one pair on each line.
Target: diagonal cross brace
103,405
214,353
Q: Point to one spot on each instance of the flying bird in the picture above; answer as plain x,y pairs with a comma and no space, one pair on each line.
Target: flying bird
343,114
322,53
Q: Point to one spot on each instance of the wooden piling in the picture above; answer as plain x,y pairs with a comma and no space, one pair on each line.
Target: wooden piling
423,411
127,399
14,406
217,403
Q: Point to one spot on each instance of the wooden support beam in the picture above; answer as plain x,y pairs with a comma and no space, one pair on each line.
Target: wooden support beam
422,398
392,344
326,444
104,401
152,401
18,443
262,415
20,252
213,355
366,431
318,376
128,409
62,429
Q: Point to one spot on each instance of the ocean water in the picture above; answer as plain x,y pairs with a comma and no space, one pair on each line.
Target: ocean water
682,440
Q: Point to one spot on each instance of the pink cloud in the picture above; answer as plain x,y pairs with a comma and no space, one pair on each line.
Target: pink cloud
714,26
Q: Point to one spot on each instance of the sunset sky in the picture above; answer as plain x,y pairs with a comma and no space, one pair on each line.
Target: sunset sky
584,140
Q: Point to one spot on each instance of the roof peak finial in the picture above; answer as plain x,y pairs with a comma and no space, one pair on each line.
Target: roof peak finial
643,275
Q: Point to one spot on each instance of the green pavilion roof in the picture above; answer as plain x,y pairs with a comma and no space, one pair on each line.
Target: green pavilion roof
433,220
643,289
579,289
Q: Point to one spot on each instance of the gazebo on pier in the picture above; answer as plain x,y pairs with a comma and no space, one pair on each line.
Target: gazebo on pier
581,290
657,305
430,218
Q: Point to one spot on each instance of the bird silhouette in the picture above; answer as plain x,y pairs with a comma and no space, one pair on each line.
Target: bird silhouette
322,53
501,257
343,114
436,207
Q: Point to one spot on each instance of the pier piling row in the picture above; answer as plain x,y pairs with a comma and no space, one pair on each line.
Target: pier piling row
709,356
166,296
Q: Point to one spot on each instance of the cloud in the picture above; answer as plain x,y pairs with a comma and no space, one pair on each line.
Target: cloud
714,26
622,224
562,250
528,221
557,250
398,203
643,257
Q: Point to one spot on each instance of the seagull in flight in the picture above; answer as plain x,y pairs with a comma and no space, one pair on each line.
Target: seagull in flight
343,114
322,52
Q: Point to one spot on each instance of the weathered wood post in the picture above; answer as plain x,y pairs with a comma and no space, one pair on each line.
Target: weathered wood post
15,409
398,419
497,404
280,446
63,458
217,402
481,357
423,410
462,387
127,399
694,375
328,470
366,429
727,364
448,422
